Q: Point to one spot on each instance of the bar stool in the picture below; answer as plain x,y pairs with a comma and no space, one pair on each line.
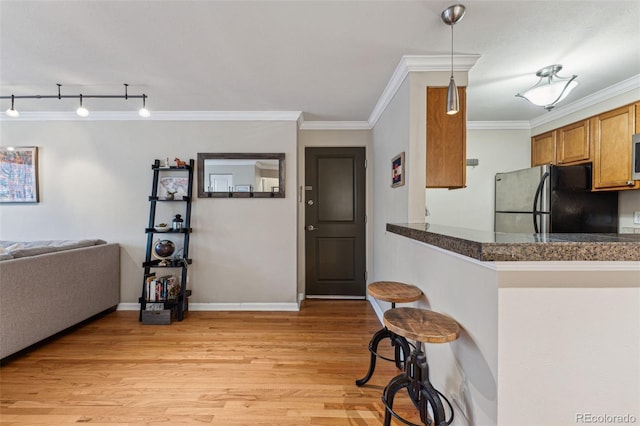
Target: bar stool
394,292
422,326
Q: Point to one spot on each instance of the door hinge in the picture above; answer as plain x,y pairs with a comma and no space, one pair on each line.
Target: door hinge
365,164
365,276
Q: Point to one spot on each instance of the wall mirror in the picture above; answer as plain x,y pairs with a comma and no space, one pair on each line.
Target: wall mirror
244,175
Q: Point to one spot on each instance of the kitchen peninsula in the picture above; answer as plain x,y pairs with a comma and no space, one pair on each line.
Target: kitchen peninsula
551,323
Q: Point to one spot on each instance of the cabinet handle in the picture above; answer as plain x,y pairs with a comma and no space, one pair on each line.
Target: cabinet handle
630,183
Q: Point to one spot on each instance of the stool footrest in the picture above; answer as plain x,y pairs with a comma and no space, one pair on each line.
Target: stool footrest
399,343
421,392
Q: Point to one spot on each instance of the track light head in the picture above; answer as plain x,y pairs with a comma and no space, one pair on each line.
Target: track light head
82,111
12,112
144,112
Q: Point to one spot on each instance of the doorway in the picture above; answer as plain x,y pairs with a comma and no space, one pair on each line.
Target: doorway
335,222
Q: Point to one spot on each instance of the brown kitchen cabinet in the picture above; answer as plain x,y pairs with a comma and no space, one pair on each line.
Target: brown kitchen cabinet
543,149
637,107
446,140
573,143
611,133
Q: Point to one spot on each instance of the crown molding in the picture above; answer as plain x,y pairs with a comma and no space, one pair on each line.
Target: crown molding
498,125
335,125
159,116
605,94
417,63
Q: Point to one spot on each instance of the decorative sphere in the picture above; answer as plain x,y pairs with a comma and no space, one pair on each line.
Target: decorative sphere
164,248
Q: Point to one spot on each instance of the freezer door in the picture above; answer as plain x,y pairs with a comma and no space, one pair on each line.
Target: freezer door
515,222
515,190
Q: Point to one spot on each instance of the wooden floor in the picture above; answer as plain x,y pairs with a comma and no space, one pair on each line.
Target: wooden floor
222,368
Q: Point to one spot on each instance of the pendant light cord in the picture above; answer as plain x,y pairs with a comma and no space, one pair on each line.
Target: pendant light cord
452,50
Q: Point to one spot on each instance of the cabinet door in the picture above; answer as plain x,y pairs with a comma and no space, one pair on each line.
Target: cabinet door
637,107
446,140
543,149
611,134
573,143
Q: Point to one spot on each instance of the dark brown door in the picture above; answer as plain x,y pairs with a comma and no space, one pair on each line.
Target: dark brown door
335,221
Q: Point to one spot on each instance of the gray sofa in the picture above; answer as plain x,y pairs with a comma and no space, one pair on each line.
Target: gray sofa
47,287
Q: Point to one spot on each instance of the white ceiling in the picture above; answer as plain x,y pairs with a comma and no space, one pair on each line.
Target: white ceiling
329,59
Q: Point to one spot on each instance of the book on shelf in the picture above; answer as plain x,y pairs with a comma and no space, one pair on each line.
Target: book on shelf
162,288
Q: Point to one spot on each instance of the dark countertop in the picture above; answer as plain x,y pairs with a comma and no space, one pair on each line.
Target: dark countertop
501,246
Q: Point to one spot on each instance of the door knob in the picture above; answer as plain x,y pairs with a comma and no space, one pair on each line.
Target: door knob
310,202
311,228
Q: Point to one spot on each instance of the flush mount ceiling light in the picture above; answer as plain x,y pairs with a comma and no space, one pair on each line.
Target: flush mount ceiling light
81,111
550,89
451,16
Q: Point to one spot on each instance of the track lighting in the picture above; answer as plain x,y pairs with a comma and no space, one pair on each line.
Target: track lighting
12,112
81,111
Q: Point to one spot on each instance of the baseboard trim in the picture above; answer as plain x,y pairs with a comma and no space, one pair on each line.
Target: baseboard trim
335,297
376,307
242,306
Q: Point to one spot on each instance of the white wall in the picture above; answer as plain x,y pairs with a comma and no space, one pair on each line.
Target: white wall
473,207
95,179
628,202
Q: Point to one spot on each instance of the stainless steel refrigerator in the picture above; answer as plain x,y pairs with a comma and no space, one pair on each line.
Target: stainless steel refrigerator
554,199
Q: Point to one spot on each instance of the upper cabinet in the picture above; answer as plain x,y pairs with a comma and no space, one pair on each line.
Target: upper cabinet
612,145
573,143
637,107
543,149
564,146
446,140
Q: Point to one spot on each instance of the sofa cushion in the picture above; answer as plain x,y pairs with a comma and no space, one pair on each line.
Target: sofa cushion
34,248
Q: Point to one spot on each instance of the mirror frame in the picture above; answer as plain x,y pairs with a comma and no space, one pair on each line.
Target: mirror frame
202,156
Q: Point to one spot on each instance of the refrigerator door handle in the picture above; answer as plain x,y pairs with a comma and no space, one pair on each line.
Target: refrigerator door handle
536,213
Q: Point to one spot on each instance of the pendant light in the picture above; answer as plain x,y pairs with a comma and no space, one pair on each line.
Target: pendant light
451,16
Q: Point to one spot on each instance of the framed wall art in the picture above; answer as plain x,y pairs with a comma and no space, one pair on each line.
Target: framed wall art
397,170
19,174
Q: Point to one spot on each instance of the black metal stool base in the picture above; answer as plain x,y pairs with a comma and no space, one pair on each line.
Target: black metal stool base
422,393
399,343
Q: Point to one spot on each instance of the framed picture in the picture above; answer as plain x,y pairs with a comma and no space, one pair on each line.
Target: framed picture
19,174
178,186
397,170
243,188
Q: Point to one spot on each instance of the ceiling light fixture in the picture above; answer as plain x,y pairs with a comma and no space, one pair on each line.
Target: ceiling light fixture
451,16
81,111
144,112
12,112
550,89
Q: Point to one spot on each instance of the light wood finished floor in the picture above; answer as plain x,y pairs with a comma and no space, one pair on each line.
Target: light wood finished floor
222,368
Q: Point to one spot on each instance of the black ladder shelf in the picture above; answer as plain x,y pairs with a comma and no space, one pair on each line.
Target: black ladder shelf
177,304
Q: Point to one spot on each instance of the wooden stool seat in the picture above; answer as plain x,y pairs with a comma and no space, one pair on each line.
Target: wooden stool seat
394,292
421,325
